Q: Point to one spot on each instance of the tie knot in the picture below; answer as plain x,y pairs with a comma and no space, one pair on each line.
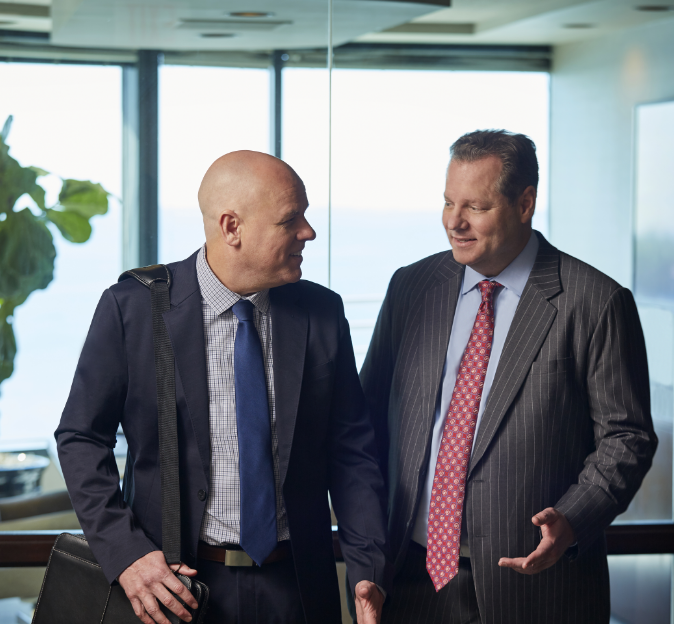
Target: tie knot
487,289
243,309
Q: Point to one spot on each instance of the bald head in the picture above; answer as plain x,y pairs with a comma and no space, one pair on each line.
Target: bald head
243,182
253,207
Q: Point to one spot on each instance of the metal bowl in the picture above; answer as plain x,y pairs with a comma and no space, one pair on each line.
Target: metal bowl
20,473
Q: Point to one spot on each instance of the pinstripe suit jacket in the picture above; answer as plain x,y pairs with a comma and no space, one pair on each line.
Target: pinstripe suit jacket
567,424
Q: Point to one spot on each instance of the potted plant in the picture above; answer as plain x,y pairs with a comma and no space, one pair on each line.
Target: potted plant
27,256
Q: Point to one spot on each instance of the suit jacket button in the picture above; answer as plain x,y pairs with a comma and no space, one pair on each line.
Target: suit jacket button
201,494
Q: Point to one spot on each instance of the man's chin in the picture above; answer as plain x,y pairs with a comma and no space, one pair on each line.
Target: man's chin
291,277
462,256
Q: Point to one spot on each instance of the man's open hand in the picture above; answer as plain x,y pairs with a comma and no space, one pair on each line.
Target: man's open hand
369,601
557,537
149,579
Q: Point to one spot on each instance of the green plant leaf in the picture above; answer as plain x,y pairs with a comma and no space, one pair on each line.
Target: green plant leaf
7,350
7,339
26,255
74,227
83,197
15,180
38,196
39,172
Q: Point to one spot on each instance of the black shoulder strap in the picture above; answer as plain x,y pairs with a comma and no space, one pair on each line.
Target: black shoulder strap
158,279
149,274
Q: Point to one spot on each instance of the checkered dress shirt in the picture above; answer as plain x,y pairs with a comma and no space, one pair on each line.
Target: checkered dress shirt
221,519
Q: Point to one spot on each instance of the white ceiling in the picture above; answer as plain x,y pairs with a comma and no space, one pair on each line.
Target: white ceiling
208,25
542,22
181,24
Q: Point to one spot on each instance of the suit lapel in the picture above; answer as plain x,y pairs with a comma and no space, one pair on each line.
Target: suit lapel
530,326
436,316
184,322
289,325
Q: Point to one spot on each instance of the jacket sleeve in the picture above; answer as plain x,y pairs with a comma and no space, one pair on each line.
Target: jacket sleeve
86,437
619,399
356,485
376,376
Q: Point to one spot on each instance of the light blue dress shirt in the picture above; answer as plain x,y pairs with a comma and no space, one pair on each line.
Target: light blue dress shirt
513,279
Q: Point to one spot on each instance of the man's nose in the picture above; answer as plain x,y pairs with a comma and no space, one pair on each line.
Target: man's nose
307,232
452,219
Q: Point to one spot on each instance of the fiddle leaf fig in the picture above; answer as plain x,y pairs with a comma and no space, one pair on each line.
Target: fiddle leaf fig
38,196
7,339
83,197
15,180
26,255
27,249
7,349
74,227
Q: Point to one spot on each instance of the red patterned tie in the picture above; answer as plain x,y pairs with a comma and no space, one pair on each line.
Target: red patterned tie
449,483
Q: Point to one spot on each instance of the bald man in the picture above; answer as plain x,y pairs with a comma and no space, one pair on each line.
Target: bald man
271,417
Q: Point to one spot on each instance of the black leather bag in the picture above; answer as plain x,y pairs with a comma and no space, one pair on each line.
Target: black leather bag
74,589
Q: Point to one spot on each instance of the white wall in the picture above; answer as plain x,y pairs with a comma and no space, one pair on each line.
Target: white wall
594,88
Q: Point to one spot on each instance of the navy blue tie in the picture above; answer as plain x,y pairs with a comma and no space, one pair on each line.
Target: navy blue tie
256,468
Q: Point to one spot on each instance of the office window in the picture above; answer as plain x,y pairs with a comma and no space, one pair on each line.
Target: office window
391,134
305,148
654,291
67,120
204,112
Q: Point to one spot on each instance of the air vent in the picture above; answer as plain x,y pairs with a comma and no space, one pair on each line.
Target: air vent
24,10
432,28
254,14
232,25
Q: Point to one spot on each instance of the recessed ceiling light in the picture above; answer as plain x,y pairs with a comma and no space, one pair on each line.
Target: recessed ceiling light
655,8
579,26
250,14
216,35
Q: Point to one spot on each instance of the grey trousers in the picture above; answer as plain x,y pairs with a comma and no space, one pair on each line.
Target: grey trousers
415,601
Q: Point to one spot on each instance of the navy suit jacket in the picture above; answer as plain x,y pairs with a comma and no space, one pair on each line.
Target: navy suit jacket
326,442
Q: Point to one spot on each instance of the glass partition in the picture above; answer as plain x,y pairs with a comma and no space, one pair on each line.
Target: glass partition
641,588
73,133
391,133
204,112
654,290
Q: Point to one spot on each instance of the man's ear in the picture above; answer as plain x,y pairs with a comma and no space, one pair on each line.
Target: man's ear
527,204
230,228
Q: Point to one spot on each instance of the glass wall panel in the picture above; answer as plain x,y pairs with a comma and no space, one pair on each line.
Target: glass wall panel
67,120
391,134
204,112
641,588
654,290
305,149
18,589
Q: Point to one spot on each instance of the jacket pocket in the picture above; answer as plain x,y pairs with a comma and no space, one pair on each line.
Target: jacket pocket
318,372
552,366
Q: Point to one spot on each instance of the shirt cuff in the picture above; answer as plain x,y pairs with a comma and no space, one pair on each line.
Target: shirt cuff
572,552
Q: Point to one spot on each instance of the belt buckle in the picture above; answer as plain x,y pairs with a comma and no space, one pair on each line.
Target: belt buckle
238,558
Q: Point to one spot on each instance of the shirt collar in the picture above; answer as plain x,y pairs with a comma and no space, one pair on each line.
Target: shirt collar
217,295
514,277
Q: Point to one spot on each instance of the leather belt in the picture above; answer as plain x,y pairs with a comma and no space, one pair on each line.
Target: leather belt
233,555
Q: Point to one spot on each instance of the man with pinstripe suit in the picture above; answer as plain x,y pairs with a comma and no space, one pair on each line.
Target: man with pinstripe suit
508,387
